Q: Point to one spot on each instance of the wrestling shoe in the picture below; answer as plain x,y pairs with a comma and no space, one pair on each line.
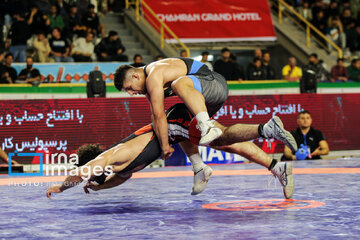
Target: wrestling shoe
201,179
209,132
274,128
283,171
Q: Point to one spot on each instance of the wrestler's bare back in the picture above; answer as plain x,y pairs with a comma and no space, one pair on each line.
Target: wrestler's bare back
121,155
170,69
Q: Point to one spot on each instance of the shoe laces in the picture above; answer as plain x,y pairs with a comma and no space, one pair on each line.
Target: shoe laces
272,179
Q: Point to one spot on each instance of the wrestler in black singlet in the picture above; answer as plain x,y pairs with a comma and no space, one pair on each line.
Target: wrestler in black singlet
178,118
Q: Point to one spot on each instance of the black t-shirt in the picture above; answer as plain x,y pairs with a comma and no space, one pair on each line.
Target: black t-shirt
29,73
19,33
2,68
2,71
255,73
226,69
269,72
72,21
312,139
91,21
138,64
12,73
38,24
58,45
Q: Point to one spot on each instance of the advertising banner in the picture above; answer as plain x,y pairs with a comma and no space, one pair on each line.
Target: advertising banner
213,20
65,124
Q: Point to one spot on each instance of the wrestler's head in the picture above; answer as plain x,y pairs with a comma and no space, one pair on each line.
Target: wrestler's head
130,79
88,152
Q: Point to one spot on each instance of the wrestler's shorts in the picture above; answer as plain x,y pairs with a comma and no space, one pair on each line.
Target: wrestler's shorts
213,87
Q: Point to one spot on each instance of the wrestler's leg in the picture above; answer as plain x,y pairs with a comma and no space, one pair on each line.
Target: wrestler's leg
236,133
192,152
188,89
248,150
202,172
243,132
282,170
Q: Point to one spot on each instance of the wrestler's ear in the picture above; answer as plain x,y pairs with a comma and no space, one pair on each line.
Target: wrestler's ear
135,76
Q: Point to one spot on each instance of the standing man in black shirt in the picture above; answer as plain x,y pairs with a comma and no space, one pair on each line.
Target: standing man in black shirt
19,33
315,65
239,73
268,69
37,21
73,24
92,22
30,74
224,66
255,70
312,138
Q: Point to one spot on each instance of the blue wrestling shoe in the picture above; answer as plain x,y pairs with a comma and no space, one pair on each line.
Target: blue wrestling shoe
274,128
283,171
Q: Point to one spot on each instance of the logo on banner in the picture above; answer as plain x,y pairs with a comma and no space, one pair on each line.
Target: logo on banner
210,155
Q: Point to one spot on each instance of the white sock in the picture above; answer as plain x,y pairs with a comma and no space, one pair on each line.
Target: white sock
202,117
196,161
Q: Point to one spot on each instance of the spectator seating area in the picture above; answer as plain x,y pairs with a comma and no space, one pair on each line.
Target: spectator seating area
71,31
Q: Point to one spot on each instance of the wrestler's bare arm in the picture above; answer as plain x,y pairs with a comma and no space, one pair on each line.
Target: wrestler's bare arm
155,95
113,180
115,159
69,182
83,172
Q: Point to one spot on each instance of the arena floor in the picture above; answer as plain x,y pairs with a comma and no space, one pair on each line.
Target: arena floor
156,204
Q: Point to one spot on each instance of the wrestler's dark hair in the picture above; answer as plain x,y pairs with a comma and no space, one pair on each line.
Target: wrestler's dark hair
120,74
88,152
303,112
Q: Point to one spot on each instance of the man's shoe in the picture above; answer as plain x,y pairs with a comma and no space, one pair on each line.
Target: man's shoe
274,128
209,132
283,171
201,179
